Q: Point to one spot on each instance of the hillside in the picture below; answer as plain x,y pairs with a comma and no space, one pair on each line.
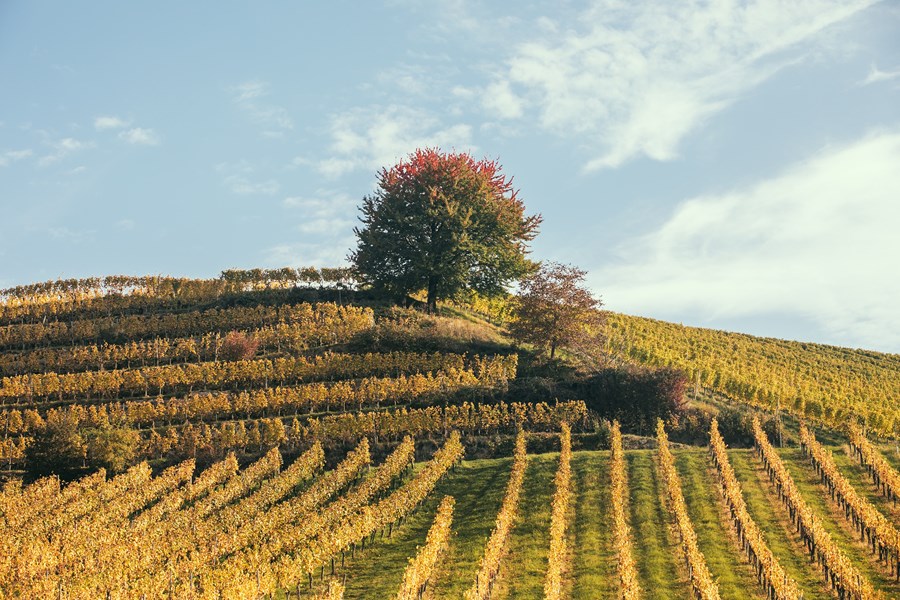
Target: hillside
827,384
278,434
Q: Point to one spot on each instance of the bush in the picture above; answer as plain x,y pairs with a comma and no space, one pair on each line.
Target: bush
238,346
112,448
636,397
58,447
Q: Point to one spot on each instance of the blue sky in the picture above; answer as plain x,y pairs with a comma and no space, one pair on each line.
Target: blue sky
724,164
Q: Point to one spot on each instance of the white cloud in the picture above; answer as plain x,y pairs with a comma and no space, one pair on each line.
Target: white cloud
75,236
243,186
273,120
325,213
12,156
877,76
308,254
109,122
410,80
500,100
377,137
140,136
239,178
249,90
818,241
62,148
635,78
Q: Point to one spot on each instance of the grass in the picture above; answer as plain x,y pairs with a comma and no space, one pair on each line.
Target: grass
833,520
862,483
655,546
774,521
594,561
891,453
478,486
527,559
716,538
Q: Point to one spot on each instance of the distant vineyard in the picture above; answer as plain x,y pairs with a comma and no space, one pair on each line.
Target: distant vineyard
831,385
322,319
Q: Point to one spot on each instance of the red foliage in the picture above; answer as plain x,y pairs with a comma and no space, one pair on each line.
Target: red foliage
238,346
432,169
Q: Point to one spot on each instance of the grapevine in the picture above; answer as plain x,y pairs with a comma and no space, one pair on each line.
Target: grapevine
421,567
872,527
562,497
498,543
769,573
626,567
702,583
839,572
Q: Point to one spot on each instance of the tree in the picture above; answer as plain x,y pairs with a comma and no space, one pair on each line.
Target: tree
58,446
552,309
444,223
112,448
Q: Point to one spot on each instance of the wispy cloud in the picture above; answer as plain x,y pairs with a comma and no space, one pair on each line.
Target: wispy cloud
249,91
74,236
635,78
240,178
62,148
273,120
140,136
308,254
326,213
109,122
12,156
370,138
818,241
243,186
877,76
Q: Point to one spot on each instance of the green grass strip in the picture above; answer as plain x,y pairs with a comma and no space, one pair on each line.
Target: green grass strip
655,546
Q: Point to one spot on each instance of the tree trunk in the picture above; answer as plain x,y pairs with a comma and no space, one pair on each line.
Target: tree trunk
431,302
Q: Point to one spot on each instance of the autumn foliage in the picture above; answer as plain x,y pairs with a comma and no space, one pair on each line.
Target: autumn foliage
238,346
554,309
444,223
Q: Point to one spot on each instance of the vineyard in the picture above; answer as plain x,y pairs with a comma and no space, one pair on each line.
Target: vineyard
232,438
826,384
761,523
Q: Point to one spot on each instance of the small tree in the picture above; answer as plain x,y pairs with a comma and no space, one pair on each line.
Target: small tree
553,310
58,446
112,448
444,223
239,346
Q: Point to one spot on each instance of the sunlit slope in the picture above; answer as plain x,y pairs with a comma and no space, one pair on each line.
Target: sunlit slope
829,384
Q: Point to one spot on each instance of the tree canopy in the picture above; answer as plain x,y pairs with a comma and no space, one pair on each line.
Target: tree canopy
552,309
444,223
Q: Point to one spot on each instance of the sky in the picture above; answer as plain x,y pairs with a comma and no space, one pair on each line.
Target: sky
723,164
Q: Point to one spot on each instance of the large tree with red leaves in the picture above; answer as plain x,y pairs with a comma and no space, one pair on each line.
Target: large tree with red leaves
444,223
